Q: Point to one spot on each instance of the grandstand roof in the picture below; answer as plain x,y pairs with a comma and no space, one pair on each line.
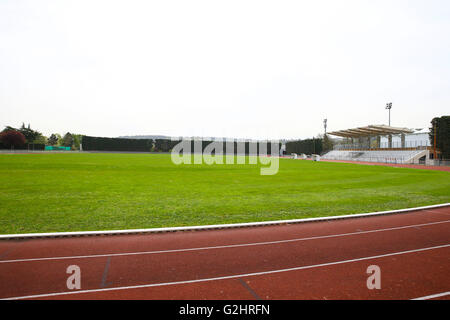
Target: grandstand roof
372,130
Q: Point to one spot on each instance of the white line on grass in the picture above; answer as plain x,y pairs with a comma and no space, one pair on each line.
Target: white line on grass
227,277
224,246
216,226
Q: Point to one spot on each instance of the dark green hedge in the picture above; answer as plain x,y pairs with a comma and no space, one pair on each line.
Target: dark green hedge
166,145
307,146
116,144
145,145
442,126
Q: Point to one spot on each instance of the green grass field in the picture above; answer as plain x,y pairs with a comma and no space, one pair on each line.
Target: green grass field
80,192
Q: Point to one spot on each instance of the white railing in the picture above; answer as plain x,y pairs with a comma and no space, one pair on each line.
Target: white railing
398,160
383,145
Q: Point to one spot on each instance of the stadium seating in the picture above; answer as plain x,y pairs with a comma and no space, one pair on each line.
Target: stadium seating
388,156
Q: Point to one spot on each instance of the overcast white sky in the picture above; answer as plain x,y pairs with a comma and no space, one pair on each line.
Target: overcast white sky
247,69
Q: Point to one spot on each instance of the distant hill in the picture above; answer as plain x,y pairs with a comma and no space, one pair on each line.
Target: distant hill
154,137
145,137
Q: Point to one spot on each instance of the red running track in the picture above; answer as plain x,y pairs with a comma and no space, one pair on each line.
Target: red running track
397,165
320,260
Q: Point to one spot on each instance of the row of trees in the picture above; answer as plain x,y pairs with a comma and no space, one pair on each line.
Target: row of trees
68,140
21,137
24,136
30,135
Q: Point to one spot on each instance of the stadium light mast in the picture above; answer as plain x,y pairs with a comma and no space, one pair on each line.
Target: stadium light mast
389,107
325,125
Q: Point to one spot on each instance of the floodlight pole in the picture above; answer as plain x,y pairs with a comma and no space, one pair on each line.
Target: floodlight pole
389,107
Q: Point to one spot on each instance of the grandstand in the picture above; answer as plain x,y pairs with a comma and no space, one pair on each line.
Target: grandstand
366,144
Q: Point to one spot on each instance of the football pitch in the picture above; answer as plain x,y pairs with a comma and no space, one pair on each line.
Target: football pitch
83,192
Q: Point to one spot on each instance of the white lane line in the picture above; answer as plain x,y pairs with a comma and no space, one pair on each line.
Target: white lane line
227,277
222,247
437,295
217,226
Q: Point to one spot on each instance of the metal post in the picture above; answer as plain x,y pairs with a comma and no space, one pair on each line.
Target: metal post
389,107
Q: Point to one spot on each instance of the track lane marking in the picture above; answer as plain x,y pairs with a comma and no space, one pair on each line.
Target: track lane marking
226,277
247,287
105,274
437,295
223,246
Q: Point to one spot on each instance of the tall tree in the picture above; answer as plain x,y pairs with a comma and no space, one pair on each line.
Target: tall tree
441,127
12,138
52,140
68,140
76,141
29,133
9,128
41,140
327,143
